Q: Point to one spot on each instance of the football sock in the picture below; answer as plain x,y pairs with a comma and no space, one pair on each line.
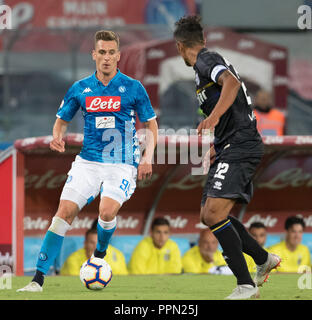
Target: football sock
39,277
249,244
232,250
50,248
105,231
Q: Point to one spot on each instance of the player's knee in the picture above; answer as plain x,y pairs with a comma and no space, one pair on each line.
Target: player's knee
210,214
106,214
67,211
108,209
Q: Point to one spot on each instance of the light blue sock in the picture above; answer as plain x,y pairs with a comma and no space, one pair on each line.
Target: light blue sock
104,236
50,248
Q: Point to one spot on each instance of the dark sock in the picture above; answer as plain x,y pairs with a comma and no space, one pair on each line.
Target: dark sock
232,250
249,244
39,277
99,254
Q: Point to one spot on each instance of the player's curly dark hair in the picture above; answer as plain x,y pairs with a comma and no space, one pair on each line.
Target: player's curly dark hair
189,31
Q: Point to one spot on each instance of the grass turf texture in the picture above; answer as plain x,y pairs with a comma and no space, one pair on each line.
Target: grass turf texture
168,287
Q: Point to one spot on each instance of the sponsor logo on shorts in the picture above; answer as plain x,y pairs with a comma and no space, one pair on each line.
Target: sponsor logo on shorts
218,185
103,104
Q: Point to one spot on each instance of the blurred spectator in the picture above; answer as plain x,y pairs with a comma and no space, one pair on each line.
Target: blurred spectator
114,257
156,254
259,233
204,256
270,121
293,253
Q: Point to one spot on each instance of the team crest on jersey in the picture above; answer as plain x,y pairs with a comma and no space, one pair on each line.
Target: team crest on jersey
122,89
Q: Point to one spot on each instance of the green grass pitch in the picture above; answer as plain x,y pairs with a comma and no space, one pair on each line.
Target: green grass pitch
166,287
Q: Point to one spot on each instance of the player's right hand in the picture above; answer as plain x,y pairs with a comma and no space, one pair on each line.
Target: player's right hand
57,144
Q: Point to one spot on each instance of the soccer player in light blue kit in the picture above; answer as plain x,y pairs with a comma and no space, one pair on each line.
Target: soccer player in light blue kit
109,162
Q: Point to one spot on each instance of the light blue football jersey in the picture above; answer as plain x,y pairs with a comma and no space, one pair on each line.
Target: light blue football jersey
110,114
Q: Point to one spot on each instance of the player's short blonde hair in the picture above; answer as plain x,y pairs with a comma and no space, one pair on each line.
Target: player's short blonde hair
106,35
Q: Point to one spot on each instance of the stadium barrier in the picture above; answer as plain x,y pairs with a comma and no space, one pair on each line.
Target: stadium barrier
282,188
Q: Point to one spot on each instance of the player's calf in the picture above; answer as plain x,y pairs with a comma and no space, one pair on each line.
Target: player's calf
50,248
217,209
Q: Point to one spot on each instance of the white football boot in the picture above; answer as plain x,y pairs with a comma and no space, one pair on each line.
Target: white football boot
31,287
263,270
244,291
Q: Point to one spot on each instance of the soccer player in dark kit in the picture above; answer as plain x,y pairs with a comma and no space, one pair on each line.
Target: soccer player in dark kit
238,149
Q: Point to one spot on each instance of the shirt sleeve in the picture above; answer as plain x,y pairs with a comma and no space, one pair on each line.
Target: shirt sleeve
116,260
138,263
189,264
175,265
211,65
69,105
143,105
72,265
307,257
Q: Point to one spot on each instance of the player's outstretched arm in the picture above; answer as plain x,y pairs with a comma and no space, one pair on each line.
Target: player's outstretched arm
230,87
59,129
145,166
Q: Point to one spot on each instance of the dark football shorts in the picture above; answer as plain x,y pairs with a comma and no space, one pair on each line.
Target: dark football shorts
231,180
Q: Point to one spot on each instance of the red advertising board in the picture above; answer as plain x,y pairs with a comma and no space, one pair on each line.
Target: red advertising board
6,202
12,210
282,187
84,13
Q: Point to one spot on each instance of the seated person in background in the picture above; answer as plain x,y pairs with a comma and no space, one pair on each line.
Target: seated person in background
114,257
156,254
259,233
292,252
270,121
204,256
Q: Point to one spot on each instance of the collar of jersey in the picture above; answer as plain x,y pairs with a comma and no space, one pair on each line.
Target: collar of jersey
113,79
201,51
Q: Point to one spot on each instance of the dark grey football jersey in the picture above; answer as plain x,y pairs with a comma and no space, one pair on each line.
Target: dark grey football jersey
237,126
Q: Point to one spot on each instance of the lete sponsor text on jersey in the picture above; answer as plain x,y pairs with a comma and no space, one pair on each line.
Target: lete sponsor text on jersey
103,104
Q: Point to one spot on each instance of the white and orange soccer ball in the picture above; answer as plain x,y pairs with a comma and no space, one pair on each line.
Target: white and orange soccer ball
95,273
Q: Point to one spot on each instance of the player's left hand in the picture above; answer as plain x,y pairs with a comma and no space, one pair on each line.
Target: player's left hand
144,170
207,124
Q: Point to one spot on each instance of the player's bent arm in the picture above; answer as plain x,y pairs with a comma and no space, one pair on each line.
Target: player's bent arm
59,129
230,87
151,140
151,133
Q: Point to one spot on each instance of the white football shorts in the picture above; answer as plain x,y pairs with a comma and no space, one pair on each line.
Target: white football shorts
86,179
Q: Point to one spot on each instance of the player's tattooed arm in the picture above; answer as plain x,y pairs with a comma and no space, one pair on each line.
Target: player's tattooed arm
230,87
227,75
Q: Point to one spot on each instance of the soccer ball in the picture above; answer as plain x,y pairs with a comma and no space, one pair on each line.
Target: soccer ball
95,273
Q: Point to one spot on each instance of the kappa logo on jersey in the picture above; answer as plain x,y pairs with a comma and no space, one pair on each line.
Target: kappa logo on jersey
103,104
86,90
